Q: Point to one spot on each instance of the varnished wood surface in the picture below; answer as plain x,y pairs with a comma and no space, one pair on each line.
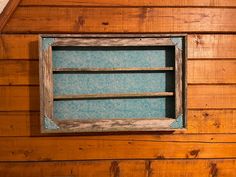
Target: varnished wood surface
214,121
25,98
214,71
110,20
127,168
64,148
201,46
211,74
7,12
141,3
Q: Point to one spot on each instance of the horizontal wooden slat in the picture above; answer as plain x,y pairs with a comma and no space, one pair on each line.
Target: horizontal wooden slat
19,47
199,121
211,96
211,121
211,71
115,95
173,3
199,46
23,98
74,20
19,72
127,168
212,46
19,98
40,149
111,69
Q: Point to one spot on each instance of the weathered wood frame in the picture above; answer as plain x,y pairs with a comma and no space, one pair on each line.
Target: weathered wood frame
49,124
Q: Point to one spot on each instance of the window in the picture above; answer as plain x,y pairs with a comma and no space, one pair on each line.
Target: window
99,83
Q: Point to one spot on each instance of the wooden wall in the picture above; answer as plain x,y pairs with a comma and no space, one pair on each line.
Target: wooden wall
206,149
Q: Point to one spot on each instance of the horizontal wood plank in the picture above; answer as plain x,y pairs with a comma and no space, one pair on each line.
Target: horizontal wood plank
19,47
19,72
24,98
199,121
207,46
204,46
127,168
151,3
74,148
211,71
19,98
135,20
211,97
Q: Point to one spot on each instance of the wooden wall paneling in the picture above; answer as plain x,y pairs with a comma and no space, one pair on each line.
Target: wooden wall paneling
100,20
18,47
23,72
19,98
201,46
19,72
212,96
7,12
148,3
199,121
25,98
41,148
212,71
215,46
127,168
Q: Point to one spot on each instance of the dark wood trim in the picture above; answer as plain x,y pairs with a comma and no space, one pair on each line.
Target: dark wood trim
7,12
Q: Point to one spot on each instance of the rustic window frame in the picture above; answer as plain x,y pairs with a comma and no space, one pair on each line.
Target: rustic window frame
51,125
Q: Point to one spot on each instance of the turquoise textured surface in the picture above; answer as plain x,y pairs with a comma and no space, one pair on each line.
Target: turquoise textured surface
112,57
115,108
113,82
78,83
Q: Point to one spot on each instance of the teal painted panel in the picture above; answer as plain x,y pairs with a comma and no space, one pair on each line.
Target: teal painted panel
115,108
112,57
95,83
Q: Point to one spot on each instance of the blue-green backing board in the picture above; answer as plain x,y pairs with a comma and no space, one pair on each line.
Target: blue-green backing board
113,82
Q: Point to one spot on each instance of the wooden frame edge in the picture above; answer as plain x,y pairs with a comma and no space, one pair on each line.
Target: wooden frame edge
58,125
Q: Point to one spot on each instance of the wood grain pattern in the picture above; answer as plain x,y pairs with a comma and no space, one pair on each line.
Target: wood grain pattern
19,72
40,149
136,20
212,96
208,46
201,46
7,12
211,71
127,168
19,98
19,47
199,121
212,121
23,72
151,3
24,98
